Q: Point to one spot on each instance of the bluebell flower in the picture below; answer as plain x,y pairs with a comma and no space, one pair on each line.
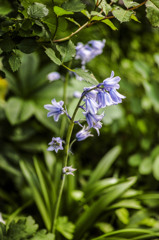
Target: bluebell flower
90,94
53,76
91,105
55,109
116,97
111,82
89,51
68,170
55,144
97,126
83,134
104,99
92,118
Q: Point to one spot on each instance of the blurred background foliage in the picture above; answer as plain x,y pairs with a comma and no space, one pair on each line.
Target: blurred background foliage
132,52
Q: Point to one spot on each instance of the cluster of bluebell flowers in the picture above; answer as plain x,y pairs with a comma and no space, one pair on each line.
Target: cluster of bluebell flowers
94,98
86,52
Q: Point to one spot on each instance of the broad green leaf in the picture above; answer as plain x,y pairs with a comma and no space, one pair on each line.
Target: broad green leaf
5,8
127,203
86,219
18,110
122,15
86,13
123,215
152,9
104,165
37,10
60,11
73,5
7,44
155,2
67,50
145,167
130,3
51,54
110,24
86,76
14,62
28,45
43,235
155,168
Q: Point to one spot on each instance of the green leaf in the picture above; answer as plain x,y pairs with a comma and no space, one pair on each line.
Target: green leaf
73,21
105,6
67,50
60,11
37,10
73,5
18,110
122,15
43,235
51,54
14,62
104,165
133,17
86,76
110,24
86,219
145,167
123,215
152,9
27,45
130,3
7,44
65,227
155,168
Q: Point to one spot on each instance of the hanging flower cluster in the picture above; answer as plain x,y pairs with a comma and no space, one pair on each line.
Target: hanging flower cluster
94,98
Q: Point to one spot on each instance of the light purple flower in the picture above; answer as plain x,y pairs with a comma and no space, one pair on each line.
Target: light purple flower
77,94
104,99
116,97
55,144
92,118
53,76
111,82
90,94
83,134
89,51
91,105
55,109
68,170
97,126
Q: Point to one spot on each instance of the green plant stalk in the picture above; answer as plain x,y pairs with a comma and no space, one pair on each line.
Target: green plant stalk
66,152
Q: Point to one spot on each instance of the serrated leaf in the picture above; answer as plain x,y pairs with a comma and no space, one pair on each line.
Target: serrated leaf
37,10
14,62
110,24
43,235
73,5
86,13
105,6
130,3
152,9
122,15
60,11
86,76
7,44
67,50
51,54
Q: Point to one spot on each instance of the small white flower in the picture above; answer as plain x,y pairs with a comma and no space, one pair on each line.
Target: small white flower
69,170
1,219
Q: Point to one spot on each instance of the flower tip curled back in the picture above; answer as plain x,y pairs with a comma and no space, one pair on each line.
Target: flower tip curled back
55,144
83,134
68,170
55,109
